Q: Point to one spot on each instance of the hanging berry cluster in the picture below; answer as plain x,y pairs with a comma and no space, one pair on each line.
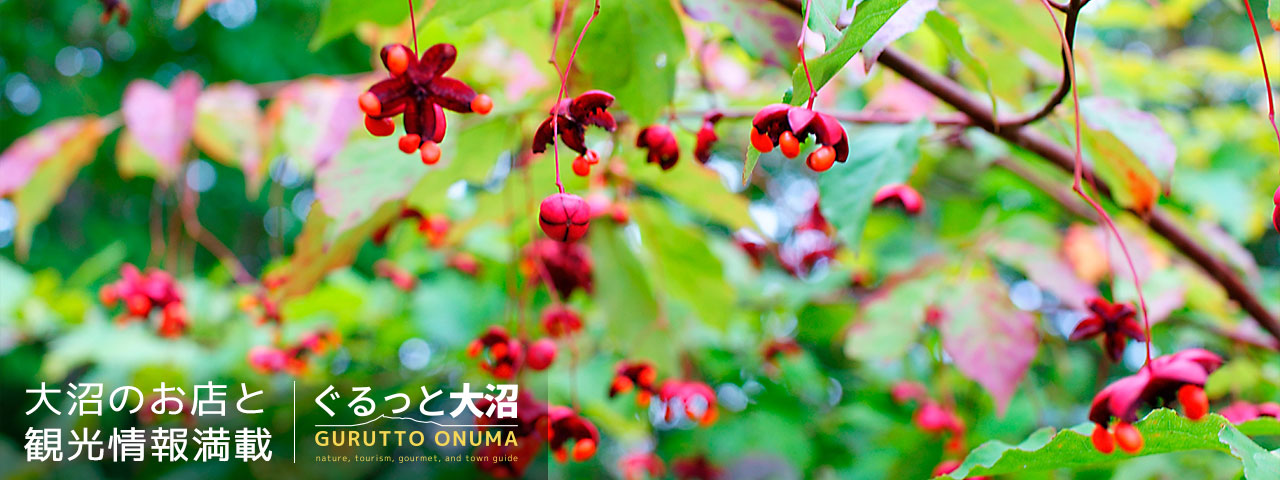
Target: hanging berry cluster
1179,376
292,359
786,127
143,294
419,90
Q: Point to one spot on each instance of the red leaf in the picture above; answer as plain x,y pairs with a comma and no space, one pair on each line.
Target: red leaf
990,340
161,120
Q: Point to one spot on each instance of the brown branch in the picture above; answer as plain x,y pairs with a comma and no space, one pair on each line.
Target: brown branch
191,221
854,117
1160,222
1064,87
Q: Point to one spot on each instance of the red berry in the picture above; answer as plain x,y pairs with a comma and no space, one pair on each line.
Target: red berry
622,385
379,127
821,159
482,104
592,157
138,305
1128,437
581,167
410,143
541,354
564,217
370,104
1194,402
761,141
397,60
584,449
1102,439
789,145
108,296
430,152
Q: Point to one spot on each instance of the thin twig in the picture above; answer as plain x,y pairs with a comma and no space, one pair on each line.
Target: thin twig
188,205
980,113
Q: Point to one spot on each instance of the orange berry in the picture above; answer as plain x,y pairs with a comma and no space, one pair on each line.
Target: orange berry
592,157
108,296
709,417
1128,437
821,159
642,398
584,449
1194,402
581,167
379,127
622,385
475,348
410,143
647,376
430,152
789,144
761,141
370,104
498,350
1102,439
482,104
562,456
397,60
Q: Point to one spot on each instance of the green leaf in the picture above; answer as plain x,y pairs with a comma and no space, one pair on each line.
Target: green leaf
889,324
1132,183
228,129
1015,23
466,12
632,51
765,30
1273,14
878,155
1163,431
871,15
690,272
1140,131
948,32
749,165
625,300
698,188
341,17
362,177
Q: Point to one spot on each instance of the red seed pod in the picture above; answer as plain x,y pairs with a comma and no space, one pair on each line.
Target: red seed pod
138,305
1275,213
482,104
901,195
564,217
173,321
430,153
821,159
379,127
662,146
1102,439
1128,437
789,145
581,166
410,142
560,321
1193,400
542,354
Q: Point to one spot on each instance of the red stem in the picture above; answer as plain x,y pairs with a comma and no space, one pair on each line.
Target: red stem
1079,169
413,26
803,62
1266,78
564,78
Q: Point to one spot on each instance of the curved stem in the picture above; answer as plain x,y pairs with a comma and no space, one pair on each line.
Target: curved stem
564,78
1266,78
803,62
1077,184
1067,34
413,27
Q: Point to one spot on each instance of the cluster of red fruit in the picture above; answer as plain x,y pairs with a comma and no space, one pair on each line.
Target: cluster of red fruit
1179,376
419,90
293,358
566,267
566,434
504,354
144,293
262,307
786,127
678,399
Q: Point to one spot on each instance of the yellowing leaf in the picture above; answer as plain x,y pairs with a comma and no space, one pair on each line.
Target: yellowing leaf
189,10
228,128
1132,183
36,170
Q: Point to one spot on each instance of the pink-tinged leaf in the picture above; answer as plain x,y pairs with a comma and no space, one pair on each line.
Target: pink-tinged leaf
990,340
765,30
1139,131
312,120
366,174
37,169
161,120
906,20
1047,269
229,129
